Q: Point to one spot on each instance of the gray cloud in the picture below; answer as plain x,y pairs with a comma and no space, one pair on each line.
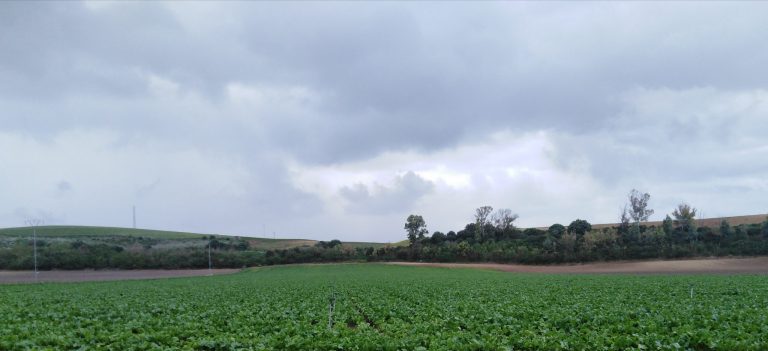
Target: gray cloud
397,76
63,186
277,85
379,199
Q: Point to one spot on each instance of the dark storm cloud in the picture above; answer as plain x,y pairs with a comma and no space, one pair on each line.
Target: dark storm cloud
396,76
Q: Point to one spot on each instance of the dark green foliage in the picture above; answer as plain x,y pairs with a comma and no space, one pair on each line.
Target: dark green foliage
579,227
532,232
725,229
765,228
556,230
437,238
668,225
328,245
416,228
242,245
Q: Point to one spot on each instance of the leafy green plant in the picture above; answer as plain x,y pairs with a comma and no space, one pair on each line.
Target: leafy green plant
381,307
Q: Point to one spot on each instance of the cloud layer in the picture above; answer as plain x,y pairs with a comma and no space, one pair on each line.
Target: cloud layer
337,120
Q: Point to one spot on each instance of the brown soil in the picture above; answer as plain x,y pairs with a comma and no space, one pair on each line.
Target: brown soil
754,265
92,275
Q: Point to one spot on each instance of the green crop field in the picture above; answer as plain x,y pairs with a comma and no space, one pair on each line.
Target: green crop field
380,307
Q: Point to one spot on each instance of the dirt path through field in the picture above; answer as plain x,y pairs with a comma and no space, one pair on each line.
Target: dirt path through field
752,265
92,275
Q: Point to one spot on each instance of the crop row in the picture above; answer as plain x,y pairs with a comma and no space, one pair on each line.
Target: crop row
379,307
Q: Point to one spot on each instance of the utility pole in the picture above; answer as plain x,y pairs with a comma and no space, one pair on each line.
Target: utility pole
134,216
210,263
34,222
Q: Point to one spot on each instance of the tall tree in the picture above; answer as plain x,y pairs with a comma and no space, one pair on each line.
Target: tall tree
416,228
685,218
725,229
624,220
482,217
684,214
638,206
503,218
667,226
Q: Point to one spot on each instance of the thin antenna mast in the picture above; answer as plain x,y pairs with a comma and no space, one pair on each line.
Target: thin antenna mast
34,222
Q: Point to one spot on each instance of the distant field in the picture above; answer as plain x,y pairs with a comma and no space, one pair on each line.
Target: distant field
380,307
707,222
751,265
704,222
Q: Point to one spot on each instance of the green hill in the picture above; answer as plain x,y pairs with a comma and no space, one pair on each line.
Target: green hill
58,231
83,232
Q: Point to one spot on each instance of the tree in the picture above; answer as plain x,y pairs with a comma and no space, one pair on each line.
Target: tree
725,229
684,216
579,227
481,219
482,214
624,220
416,228
667,226
765,228
503,219
638,206
437,238
556,230
328,244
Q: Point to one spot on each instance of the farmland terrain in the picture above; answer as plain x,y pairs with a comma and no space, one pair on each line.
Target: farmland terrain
385,307
77,248
84,247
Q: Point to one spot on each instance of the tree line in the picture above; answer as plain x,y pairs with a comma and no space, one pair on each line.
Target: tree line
491,237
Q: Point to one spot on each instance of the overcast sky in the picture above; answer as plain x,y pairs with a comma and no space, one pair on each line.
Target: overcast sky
337,120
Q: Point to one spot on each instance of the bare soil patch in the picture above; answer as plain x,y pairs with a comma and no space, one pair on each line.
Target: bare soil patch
93,275
752,265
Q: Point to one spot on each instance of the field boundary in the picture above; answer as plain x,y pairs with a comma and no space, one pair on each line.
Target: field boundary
57,276
741,265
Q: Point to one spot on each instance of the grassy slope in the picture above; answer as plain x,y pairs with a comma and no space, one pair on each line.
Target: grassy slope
74,231
88,231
